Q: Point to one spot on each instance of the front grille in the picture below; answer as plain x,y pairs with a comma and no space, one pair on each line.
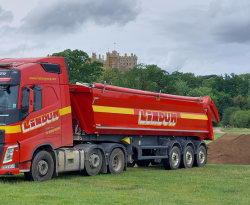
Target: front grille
2,136
1,151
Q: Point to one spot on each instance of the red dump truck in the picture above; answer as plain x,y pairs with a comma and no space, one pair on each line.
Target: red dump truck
48,126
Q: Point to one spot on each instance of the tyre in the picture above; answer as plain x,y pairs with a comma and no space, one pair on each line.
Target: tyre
143,163
201,157
173,160
42,167
93,166
188,157
131,164
116,161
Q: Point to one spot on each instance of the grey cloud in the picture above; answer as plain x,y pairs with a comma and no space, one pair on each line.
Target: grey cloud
68,16
223,21
21,50
231,21
5,16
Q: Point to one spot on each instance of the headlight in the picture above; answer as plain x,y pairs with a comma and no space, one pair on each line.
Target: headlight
9,154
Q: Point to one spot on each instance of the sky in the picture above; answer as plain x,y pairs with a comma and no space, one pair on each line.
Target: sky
203,37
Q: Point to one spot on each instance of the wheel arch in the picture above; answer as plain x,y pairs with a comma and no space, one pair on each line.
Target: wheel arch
171,144
45,146
197,144
185,143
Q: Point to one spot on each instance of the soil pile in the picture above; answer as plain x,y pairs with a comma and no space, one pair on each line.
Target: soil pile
230,149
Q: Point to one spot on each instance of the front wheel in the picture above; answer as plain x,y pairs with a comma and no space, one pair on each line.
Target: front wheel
173,160
201,157
94,164
42,167
116,161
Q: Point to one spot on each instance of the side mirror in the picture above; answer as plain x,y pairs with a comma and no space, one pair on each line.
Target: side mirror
27,102
31,101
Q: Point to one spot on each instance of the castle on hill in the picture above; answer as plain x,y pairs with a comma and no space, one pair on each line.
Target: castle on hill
114,60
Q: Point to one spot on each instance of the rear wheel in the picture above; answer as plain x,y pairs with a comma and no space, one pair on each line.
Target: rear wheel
201,157
188,157
93,165
143,163
116,161
42,167
174,159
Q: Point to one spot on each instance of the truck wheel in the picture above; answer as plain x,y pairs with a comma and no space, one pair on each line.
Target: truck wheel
131,164
42,167
143,163
173,160
201,157
116,161
188,157
93,165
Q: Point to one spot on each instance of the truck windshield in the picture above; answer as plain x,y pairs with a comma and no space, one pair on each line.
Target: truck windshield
8,96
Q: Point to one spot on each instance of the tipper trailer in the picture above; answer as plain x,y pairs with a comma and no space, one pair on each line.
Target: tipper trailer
49,126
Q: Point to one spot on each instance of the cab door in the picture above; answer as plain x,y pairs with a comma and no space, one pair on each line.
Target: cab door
52,108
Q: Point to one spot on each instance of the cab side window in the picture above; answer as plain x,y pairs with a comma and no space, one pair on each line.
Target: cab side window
37,97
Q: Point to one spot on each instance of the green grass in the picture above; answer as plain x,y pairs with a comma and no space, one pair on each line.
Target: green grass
216,136
236,130
212,184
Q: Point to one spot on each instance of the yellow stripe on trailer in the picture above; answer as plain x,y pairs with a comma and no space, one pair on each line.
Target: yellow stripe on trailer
194,116
117,110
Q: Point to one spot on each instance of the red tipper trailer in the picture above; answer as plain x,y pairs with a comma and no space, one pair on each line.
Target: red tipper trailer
48,126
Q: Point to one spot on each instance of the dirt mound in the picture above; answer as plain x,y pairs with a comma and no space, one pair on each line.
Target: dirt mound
230,149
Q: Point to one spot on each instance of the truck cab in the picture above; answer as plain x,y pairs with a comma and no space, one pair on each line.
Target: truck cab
35,111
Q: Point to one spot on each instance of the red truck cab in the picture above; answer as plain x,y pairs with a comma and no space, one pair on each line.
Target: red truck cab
35,110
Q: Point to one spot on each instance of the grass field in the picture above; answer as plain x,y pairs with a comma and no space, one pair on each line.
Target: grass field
236,130
212,184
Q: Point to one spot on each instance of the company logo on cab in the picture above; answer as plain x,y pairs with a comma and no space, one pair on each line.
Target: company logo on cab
40,121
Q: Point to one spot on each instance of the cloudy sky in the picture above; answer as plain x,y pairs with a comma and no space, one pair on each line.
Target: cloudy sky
199,36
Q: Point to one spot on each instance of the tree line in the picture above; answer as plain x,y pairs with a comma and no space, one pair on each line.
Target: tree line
229,92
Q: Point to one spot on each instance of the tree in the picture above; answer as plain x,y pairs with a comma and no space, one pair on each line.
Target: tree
111,76
248,103
227,113
223,101
240,101
144,77
203,92
190,79
80,67
240,119
181,87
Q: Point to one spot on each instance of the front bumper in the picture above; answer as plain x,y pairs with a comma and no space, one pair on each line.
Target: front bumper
9,171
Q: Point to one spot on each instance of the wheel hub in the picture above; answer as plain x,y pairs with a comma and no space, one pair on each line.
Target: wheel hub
175,158
94,160
117,162
201,157
43,168
189,157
